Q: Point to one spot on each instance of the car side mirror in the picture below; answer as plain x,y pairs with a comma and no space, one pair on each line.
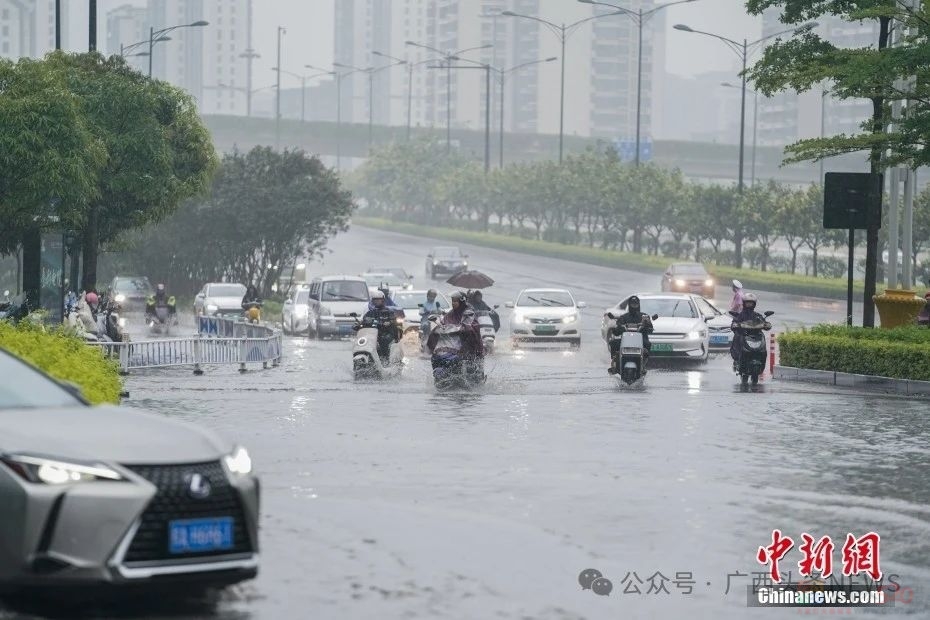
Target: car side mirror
509,304
354,315
288,302
655,317
768,313
410,278
582,305
496,306
429,256
74,390
465,256
200,295
610,315
706,319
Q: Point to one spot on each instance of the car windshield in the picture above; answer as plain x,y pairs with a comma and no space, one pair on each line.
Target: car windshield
400,273
689,270
667,307
412,300
132,285
344,290
24,387
377,279
226,290
546,298
446,253
302,297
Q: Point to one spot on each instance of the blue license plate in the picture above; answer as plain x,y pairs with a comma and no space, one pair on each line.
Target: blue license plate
200,535
719,339
345,330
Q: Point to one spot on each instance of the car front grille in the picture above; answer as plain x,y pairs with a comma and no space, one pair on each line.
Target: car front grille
540,321
668,336
173,501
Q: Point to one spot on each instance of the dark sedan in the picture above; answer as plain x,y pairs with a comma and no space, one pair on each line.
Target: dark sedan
130,292
688,278
445,261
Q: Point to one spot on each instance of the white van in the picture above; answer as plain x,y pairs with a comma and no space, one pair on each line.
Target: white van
332,300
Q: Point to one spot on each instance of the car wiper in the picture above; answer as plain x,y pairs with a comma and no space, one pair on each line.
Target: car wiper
533,299
554,302
344,298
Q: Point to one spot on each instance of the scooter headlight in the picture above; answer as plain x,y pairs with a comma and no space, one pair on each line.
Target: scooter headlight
120,298
362,341
122,322
680,282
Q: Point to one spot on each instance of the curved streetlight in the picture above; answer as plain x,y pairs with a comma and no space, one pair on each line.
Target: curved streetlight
303,87
743,50
448,57
639,18
371,71
155,36
562,31
410,67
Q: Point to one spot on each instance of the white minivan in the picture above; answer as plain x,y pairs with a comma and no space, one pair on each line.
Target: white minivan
332,300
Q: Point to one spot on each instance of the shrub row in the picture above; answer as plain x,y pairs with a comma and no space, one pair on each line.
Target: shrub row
65,358
751,279
826,349
915,335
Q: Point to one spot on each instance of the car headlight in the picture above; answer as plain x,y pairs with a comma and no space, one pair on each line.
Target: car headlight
464,263
212,307
122,322
695,335
239,462
41,470
324,311
120,298
708,282
680,282
570,318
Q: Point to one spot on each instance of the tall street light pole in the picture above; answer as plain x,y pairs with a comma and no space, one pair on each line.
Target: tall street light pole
277,114
448,57
92,27
639,18
339,76
303,87
562,31
487,106
410,67
371,71
155,36
755,127
743,50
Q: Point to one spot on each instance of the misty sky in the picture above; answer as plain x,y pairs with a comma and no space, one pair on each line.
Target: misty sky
309,38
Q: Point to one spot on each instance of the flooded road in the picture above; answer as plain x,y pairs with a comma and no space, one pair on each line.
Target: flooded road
389,500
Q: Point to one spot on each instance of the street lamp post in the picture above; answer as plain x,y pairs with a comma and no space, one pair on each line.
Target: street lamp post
448,57
487,106
371,71
155,36
410,67
743,50
303,87
639,18
562,32
755,126
277,114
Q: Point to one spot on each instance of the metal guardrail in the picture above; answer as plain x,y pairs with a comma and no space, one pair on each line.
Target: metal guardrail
219,341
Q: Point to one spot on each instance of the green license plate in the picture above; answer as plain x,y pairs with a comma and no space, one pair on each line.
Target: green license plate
662,347
546,329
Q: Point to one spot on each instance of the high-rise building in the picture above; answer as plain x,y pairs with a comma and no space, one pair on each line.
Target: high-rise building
27,28
206,61
127,25
788,116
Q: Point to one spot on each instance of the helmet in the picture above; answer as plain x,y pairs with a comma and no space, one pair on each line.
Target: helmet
91,298
737,285
377,295
633,302
750,298
431,294
160,288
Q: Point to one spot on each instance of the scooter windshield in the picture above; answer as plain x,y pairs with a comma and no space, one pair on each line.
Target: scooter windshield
449,340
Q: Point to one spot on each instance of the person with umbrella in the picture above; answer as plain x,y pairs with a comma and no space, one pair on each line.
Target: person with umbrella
476,301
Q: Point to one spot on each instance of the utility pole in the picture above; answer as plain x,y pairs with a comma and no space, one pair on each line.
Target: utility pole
277,114
250,55
57,24
92,27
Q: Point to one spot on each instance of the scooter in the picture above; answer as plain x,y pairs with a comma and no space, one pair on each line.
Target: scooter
114,325
630,360
751,362
488,332
452,369
162,318
253,311
374,335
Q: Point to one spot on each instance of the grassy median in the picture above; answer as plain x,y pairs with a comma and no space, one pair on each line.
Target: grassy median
900,353
832,288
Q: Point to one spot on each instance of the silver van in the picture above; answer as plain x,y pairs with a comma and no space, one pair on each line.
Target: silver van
332,300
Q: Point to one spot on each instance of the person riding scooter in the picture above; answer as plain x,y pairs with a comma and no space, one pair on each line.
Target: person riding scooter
429,307
462,314
633,316
160,300
747,314
379,311
476,301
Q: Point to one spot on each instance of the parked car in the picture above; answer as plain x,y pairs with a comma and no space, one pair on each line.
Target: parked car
112,496
680,331
688,278
445,261
130,292
393,282
219,298
332,300
295,314
410,302
545,315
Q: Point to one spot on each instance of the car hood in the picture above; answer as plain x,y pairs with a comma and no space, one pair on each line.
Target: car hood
545,311
107,433
346,307
676,325
720,322
224,302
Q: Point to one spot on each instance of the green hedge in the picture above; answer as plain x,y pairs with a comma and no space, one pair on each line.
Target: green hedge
66,358
899,353
833,288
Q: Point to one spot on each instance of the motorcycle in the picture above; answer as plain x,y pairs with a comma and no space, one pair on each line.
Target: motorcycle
161,317
253,311
751,362
13,309
112,325
488,331
373,337
630,359
451,368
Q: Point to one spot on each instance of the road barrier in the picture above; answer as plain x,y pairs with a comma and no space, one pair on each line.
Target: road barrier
772,342
219,341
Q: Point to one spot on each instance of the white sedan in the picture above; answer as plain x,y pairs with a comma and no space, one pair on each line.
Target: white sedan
681,331
545,315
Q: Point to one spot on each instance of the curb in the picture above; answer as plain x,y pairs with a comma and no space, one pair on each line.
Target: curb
910,387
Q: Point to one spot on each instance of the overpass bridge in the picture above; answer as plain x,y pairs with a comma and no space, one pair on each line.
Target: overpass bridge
708,162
